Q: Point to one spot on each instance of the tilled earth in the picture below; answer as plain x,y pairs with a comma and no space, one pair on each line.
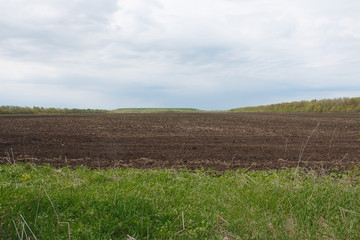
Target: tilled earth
183,140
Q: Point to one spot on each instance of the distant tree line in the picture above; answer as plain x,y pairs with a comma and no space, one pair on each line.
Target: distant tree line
154,110
338,105
41,110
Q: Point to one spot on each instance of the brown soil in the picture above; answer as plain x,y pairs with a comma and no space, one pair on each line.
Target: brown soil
188,140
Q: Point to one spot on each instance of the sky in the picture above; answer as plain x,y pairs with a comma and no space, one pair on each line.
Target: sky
211,55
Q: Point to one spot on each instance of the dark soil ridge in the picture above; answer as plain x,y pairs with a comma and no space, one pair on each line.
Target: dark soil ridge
219,141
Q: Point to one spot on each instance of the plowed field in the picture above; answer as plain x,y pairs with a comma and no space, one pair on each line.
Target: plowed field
184,140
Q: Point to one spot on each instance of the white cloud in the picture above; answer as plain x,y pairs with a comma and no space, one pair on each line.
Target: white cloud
22,12
21,70
181,48
33,94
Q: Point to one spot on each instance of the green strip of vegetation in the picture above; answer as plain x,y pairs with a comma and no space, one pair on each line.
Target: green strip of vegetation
41,110
168,204
338,105
154,110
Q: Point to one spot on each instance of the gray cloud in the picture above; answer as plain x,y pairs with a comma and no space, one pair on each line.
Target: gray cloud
203,54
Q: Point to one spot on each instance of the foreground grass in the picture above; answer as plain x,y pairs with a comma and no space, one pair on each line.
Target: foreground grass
169,204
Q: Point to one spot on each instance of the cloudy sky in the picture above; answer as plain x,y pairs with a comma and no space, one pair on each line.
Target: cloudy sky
217,54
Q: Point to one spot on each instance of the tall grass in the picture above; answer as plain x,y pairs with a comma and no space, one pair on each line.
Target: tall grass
169,204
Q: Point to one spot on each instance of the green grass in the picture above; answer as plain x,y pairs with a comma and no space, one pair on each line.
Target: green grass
157,204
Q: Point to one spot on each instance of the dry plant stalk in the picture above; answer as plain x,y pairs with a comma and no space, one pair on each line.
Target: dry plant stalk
37,208
183,225
24,222
345,156
8,158
182,215
286,145
343,210
52,205
331,141
303,146
17,232
221,218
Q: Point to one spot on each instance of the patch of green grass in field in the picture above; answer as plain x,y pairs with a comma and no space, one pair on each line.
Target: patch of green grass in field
154,110
169,204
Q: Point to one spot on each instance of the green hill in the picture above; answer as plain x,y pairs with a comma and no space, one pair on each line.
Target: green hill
153,110
338,105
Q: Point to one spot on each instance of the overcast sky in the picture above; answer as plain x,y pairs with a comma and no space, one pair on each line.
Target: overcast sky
217,54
